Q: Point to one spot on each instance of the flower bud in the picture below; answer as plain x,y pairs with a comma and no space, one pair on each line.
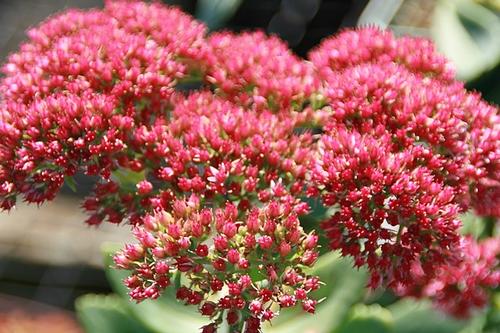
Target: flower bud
232,317
161,267
233,256
229,229
309,305
284,249
287,301
255,307
265,242
202,250
267,314
243,263
219,264
144,187
309,257
311,241
208,308
220,243
300,294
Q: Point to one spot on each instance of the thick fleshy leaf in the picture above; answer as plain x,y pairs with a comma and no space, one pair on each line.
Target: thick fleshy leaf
216,12
472,225
492,323
344,286
109,314
468,34
71,183
165,315
127,178
411,316
476,324
367,318
311,221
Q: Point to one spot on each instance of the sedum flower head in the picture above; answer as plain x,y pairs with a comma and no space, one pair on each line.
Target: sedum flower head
213,180
389,209
354,47
246,265
457,129
463,287
254,68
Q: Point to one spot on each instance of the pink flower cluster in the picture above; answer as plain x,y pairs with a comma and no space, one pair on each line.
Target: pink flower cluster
372,45
75,92
257,257
461,288
403,153
214,180
256,69
390,208
210,147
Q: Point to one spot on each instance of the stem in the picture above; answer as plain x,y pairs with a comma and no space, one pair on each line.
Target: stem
398,236
240,326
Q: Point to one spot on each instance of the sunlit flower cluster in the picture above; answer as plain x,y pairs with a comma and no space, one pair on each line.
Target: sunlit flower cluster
76,91
212,148
255,68
246,265
351,48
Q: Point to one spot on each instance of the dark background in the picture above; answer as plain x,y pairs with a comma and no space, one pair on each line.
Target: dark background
303,23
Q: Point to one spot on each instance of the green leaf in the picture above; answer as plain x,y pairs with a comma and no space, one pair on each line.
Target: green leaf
411,316
344,287
367,318
318,213
383,297
164,315
216,12
127,178
475,324
468,34
311,221
71,183
109,314
492,324
472,225
477,226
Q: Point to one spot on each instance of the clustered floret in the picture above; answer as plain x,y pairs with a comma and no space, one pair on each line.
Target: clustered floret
405,150
212,148
342,51
243,71
213,179
461,288
75,93
390,209
258,257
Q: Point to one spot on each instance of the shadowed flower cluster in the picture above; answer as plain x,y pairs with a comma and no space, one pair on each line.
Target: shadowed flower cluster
461,288
213,179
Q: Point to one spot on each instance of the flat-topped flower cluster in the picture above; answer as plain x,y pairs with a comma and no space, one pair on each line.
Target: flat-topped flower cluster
214,180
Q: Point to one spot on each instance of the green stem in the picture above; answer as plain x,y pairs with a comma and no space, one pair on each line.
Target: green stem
239,327
489,229
398,236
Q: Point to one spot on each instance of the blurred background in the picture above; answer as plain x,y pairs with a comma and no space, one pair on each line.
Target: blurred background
48,257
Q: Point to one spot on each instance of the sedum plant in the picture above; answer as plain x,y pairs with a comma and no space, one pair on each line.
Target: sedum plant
369,147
